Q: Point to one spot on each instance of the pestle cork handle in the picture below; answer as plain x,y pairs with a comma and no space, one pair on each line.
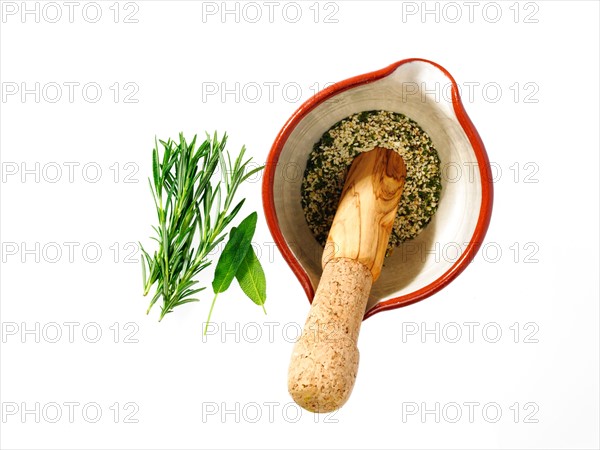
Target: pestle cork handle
325,359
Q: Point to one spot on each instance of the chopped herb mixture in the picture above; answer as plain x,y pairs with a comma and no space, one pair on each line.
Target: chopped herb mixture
332,155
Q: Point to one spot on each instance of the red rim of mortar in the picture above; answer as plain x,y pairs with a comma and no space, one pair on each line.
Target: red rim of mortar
483,163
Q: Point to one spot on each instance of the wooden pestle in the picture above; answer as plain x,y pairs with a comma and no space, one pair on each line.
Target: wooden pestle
325,358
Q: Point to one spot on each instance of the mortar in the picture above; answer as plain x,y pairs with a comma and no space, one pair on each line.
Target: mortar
416,270
427,93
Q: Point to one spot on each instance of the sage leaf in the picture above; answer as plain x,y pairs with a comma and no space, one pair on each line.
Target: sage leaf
231,258
234,253
251,277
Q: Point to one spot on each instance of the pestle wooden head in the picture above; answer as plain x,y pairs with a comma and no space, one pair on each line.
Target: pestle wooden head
367,209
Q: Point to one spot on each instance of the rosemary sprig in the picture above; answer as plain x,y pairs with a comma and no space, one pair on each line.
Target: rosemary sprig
188,199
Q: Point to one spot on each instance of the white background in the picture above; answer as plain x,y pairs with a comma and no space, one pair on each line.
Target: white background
545,222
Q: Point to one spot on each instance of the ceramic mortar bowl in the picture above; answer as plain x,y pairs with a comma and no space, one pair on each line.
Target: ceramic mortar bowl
425,92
